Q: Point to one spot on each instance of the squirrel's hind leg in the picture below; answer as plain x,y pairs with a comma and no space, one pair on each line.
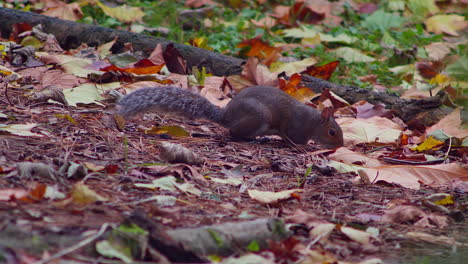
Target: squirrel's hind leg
249,120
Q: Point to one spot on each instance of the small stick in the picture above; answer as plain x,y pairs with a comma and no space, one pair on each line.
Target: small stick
77,246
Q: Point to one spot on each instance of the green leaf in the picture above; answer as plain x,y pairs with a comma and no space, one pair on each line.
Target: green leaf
342,38
459,69
388,39
132,228
88,93
352,55
112,250
216,237
253,246
300,32
422,8
381,20
396,5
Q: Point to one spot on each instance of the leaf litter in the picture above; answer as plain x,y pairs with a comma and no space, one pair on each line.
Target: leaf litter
337,216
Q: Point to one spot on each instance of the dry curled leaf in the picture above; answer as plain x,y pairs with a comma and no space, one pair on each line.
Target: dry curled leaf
171,152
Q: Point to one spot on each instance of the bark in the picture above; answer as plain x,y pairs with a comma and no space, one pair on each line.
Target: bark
422,112
71,34
230,238
181,245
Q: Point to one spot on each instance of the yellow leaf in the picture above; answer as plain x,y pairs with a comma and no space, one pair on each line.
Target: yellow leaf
448,24
292,67
175,131
265,197
428,144
444,199
439,79
69,118
122,13
311,41
83,195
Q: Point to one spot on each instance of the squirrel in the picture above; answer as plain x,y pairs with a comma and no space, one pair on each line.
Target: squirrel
254,111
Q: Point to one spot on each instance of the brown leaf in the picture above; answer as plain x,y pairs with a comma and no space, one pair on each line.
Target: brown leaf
294,88
19,28
367,8
403,214
258,74
157,56
323,72
65,11
260,49
451,125
413,176
200,3
144,66
174,60
426,70
368,110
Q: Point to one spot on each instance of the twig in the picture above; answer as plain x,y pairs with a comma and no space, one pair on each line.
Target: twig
75,247
6,93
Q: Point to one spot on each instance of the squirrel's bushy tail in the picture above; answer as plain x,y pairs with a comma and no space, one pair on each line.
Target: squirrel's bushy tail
169,100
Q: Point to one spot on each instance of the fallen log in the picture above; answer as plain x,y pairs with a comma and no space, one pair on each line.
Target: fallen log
71,34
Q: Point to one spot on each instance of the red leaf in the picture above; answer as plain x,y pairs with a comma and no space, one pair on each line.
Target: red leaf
323,72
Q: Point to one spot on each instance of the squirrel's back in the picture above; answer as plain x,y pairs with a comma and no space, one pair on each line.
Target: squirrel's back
255,111
169,99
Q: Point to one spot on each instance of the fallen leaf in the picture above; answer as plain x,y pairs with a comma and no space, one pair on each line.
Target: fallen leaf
70,64
413,176
65,11
258,48
438,50
19,130
12,194
322,230
367,110
258,74
459,69
357,235
403,214
187,187
350,157
451,125
114,250
82,195
175,131
352,55
381,20
292,67
428,144
88,93
422,8
374,129
294,88
441,240
266,197
122,13
323,72
171,152
230,181
165,183
448,24
265,22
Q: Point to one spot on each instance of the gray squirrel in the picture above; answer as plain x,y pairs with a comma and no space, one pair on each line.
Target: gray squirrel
254,111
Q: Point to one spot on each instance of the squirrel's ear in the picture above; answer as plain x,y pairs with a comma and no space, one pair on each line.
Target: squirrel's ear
327,113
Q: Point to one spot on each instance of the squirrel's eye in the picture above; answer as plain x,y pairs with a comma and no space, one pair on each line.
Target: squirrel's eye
332,132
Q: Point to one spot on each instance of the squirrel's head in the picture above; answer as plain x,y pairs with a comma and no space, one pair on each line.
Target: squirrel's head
329,134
